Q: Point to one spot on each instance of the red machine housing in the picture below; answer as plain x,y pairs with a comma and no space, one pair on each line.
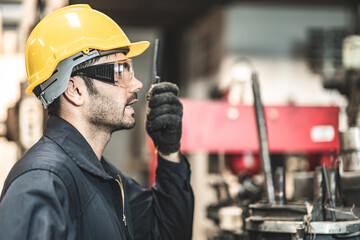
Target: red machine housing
216,126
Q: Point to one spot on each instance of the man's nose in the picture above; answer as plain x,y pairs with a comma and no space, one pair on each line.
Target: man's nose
135,85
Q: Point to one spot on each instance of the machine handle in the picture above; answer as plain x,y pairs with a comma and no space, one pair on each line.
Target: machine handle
263,141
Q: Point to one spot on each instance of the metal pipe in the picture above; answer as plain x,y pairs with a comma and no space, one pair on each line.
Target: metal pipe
328,190
263,141
279,186
300,232
318,212
339,185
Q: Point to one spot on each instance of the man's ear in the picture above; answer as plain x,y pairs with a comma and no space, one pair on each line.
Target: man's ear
75,91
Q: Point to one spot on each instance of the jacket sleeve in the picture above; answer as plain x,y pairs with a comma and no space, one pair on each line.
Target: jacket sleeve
34,207
166,211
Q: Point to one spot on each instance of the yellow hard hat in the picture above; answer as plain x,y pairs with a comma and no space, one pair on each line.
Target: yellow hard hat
70,30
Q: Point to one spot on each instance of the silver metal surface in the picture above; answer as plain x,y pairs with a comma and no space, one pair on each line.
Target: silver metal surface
351,52
303,183
350,139
300,232
328,191
350,149
318,184
320,227
279,185
351,160
318,195
333,187
351,187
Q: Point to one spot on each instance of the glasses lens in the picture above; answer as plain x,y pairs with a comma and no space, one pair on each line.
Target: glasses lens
119,73
123,72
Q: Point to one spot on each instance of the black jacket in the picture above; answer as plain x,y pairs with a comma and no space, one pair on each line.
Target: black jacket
60,190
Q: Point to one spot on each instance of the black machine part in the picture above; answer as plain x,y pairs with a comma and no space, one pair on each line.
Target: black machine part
155,67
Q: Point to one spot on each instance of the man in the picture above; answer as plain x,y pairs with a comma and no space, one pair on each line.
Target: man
78,64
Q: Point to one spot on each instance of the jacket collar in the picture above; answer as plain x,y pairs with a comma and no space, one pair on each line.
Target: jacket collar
74,145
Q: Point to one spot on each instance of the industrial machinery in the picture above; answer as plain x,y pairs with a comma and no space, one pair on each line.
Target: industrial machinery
325,200
318,218
325,203
249,214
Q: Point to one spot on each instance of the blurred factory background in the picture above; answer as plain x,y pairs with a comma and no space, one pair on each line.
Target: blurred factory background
306,56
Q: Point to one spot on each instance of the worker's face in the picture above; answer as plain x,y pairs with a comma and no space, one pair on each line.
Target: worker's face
111,108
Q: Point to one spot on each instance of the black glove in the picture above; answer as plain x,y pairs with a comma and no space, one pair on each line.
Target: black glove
164,119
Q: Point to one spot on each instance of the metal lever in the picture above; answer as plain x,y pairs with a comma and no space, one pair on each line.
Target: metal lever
329,194
263,141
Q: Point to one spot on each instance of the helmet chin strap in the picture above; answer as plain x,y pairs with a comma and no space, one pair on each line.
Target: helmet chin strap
57,84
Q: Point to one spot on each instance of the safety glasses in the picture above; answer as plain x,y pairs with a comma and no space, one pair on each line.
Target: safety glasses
119,73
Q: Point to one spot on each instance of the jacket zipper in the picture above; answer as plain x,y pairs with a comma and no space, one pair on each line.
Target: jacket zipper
119,181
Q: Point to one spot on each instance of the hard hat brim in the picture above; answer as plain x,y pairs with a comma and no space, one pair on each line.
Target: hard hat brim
137,48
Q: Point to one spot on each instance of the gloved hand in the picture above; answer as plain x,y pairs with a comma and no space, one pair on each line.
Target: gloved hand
164,119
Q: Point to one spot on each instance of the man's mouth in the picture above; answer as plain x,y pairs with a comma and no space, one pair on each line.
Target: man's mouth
132,102
133,99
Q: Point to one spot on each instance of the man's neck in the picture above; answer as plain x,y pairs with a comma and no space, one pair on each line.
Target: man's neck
96,137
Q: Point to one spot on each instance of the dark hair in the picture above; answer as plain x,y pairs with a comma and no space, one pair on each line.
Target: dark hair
54,108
